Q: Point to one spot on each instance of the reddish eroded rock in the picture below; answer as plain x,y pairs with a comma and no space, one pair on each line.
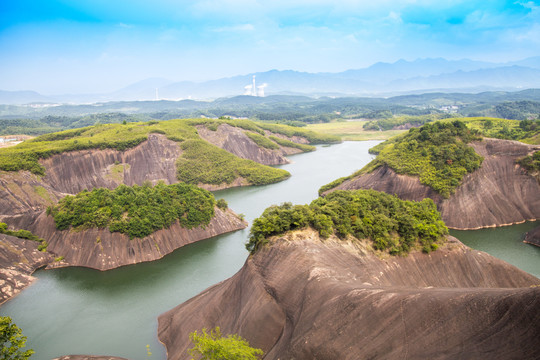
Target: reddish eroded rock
153,160
102,250
499,193
19,258
533,236
23,192
235,141
303,298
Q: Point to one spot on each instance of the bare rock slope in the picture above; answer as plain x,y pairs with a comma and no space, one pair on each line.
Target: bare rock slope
301,298
102,250
533,236
19,258
153,160
235,141
24,197
499,193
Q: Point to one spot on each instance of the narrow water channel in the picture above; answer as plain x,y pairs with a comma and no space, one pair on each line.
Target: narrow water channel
83,311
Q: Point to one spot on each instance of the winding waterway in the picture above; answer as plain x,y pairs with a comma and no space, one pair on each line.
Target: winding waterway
84,311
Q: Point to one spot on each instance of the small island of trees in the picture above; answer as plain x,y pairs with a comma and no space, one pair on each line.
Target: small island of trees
135,210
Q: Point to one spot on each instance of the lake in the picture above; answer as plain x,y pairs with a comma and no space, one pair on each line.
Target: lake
84,311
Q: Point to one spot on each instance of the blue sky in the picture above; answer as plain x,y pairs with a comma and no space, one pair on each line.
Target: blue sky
62,46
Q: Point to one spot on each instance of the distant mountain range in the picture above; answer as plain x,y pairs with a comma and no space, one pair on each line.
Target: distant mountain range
380,79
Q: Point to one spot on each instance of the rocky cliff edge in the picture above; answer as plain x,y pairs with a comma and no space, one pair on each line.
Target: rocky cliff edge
499,193
304,298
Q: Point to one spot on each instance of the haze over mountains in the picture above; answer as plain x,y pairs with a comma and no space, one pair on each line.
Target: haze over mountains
380,79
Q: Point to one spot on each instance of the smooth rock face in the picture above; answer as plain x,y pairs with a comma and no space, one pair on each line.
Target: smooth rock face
102,250
153,160
301,298
23,193
235,141
499,193
24,198
19,258
533,236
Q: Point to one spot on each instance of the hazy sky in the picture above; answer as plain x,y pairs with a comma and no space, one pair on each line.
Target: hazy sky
62,46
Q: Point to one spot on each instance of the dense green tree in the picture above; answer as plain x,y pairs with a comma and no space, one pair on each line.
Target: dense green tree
135,210
214,346
436,152
392,224
12,341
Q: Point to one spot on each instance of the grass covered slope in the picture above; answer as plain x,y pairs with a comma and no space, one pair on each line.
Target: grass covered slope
136,211
392,224
26,156
201,162
437,153
526,131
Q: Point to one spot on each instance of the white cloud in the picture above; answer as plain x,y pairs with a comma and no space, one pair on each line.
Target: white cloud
236,28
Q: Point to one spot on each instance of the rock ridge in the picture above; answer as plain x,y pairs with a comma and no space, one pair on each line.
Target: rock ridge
235,141
499,193
304,298
19,258
102,250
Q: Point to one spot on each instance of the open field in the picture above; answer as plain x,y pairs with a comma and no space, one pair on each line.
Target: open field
352,130
12,140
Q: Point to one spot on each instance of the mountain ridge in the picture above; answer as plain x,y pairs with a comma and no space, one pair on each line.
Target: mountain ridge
379,78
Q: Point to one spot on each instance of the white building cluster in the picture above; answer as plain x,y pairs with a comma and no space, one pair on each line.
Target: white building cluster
255,90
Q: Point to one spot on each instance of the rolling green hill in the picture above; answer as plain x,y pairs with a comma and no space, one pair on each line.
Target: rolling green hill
200,162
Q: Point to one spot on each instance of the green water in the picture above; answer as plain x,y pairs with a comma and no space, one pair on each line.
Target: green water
83,311
505,243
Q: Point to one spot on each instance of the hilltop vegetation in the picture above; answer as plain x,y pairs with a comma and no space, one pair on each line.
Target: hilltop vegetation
437,153
392,224
136,211
532,164
24,234
391,122
204,163
26,156
527,131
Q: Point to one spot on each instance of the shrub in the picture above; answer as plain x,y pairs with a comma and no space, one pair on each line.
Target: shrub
24,234
203,163
222,204
136,211
213,346
437,153
262,140
391,223
288,143
12,341
531,162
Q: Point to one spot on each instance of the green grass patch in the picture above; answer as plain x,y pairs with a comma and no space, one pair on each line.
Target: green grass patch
24,234
201,162
262,140
117,172
527,131
43,193
26,155
352,131
290,131
204,163
392,224
395,121
436,152
136,211
532,164
291,144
